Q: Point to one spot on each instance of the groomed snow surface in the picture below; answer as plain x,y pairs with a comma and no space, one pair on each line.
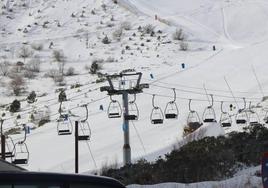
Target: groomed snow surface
237,28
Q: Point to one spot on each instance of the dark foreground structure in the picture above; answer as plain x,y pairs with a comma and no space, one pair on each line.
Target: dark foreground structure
12,176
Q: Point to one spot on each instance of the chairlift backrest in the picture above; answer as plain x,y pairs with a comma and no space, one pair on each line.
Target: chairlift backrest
241,117
114,109
133,111
64,126
171,110
9,147
225,119
21,153
253,116
84,131
209,114
157,115
193,119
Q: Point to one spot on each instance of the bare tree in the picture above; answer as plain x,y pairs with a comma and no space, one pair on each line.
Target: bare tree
178,35
34,65
4,68
60,59
17,84
25,53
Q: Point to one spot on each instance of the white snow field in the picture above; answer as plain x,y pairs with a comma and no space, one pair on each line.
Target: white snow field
237,28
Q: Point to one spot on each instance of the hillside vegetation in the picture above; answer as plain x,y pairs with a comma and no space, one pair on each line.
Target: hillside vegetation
208,159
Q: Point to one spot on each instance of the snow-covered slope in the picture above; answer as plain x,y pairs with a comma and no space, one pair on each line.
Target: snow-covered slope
238,29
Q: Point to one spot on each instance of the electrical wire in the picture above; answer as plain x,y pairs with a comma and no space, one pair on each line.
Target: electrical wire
183,98
139,136
204,94
199,88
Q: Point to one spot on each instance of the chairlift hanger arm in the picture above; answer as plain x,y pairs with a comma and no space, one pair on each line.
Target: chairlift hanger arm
222,108
84,120
190,101
25,133
153,102
134,100
245,105
175,96
212,101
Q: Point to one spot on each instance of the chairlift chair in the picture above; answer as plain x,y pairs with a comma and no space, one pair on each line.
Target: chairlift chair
253,117
9,146
193,119
64,126
209,115
241,117
133,111
21,152
157,116
225,119
114,109
171,110
84,132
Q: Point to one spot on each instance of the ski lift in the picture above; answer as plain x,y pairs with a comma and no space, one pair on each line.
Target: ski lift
9,146
21,152
242,116
157,116
64,125
133,111
114,109
171,110
253,116
193,119
209,115
225,119
84,132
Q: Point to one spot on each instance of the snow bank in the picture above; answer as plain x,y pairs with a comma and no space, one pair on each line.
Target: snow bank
238,182
208,129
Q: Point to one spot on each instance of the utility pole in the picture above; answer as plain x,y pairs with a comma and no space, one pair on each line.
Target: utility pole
3,142
126,87
126,147
76,147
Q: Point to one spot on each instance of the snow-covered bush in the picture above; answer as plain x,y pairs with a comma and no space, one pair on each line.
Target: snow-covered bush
148,29
62,96
125,25
37,47
106,40
178,35
4,68
31,98
70,71
95,66
60,58
117,34
15,106
184,46
25,53
33,65
29,74
17,85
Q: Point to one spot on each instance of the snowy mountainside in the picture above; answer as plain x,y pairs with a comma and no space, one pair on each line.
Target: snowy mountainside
78,28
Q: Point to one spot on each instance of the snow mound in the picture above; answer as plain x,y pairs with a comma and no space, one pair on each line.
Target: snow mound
243,181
